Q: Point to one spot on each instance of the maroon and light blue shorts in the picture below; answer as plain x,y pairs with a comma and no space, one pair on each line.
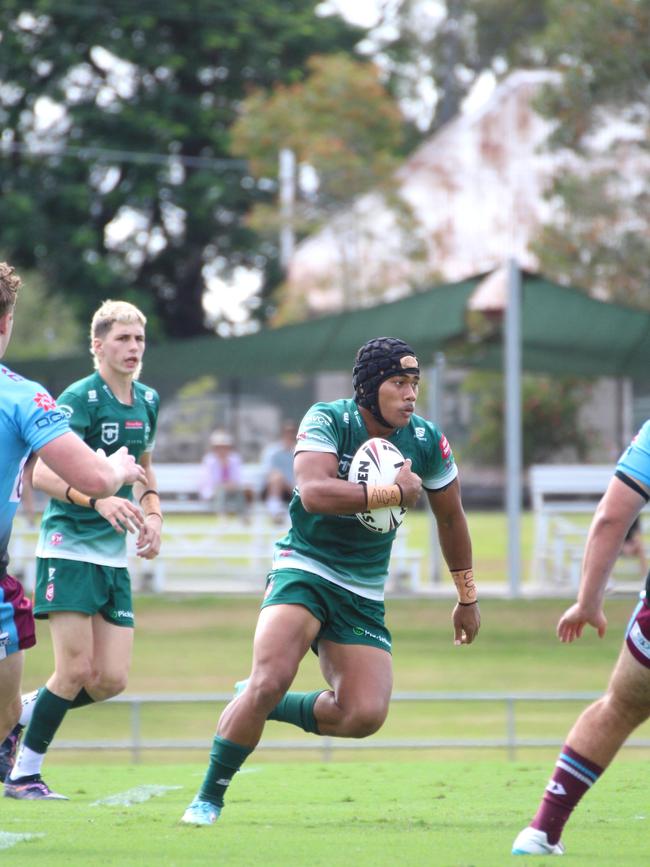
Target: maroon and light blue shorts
637,635
17,630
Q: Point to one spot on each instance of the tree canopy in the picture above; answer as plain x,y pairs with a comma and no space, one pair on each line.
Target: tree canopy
116,171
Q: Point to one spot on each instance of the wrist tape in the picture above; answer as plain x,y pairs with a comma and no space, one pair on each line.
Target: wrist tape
150,502
79,499
465,586
382,496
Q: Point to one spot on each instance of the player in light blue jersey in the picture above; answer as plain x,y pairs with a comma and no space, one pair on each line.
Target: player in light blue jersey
31,423
83,585
602,729
326,587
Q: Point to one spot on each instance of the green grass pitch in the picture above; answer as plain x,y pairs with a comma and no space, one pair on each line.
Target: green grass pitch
445,814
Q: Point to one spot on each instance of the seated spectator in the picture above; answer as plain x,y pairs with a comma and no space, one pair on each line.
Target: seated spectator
221,476
277,461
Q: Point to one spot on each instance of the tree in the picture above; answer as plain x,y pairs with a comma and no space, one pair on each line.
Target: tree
99,85
339,122
602,238
550,416
433,53
43,327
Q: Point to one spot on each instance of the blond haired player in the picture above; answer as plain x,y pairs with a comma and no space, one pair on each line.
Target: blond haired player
82,584
31,423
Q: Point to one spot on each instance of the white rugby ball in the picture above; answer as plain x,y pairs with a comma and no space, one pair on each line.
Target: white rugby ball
377,462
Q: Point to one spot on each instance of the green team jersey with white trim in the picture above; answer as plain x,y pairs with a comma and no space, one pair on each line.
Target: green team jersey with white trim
73,532
338,547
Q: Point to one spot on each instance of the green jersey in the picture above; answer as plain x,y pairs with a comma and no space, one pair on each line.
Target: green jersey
73,532
338,547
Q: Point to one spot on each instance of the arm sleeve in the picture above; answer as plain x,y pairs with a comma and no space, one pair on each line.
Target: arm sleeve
635,460
441,466
38,418
317,431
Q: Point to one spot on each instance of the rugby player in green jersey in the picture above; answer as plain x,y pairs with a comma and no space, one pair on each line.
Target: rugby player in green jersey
31,423
326,586
82,583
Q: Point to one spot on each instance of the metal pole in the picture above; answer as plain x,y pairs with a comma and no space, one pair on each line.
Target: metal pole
513,437
436,415
287,193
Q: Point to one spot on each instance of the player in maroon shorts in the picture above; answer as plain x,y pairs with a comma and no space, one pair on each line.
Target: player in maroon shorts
602,729
31,423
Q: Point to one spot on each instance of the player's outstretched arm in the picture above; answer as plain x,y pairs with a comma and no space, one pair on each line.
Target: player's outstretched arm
76,464
614,516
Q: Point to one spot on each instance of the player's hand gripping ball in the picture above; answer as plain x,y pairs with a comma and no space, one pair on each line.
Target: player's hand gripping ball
377,462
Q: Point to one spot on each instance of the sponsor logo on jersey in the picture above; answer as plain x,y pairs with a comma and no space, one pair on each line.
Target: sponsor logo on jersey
66,410
134,424
318,418
269,588
445,448
556,788
50,418
110,432
346,418
4,642
49,592
50,572
44,400
148,396
92,395
420,433
56,538
116,613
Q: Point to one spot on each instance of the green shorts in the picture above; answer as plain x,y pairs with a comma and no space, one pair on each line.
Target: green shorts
345,617
71,585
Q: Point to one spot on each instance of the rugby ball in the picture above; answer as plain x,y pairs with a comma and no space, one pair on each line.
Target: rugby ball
377,462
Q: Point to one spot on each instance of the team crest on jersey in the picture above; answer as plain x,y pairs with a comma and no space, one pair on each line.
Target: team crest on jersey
420,433
110,432
148,396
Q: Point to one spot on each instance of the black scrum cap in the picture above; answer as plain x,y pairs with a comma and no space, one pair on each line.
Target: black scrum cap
376,361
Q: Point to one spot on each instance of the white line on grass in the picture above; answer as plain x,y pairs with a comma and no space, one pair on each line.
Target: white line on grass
134,796
7,840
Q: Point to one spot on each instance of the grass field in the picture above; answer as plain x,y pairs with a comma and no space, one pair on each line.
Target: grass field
445,814
447,808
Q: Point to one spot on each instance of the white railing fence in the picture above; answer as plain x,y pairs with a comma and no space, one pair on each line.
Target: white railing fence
509,740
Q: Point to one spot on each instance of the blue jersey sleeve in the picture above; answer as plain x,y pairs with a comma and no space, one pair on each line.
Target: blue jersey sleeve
37,416
635,460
